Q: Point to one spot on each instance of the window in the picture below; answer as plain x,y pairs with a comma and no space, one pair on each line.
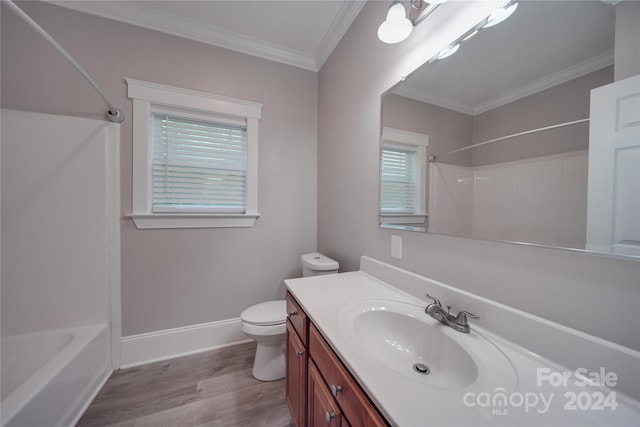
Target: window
403,176
400,177
197,165
194,158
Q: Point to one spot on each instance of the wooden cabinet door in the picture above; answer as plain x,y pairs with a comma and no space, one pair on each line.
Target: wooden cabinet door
348,394
296,379
323,409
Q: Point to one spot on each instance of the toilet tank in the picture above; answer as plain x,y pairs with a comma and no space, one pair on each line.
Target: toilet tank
315,264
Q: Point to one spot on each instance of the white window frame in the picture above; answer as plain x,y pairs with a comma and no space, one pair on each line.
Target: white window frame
146,96
398,137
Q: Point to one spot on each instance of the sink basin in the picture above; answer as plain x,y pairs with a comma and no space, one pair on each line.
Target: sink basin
403,341
401,337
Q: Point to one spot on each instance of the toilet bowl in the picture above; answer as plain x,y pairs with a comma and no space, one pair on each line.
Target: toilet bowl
266,323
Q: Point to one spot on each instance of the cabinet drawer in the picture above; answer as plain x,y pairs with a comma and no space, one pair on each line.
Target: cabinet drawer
298,318
354,403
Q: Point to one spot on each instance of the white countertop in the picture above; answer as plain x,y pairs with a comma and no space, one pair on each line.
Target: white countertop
411,403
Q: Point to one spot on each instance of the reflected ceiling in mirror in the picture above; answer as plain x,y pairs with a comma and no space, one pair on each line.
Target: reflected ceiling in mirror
541,44
519,92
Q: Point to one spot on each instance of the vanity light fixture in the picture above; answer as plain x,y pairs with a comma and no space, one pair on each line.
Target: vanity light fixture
398,25
496,17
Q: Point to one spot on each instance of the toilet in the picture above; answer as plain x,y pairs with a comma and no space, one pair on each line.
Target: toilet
266,323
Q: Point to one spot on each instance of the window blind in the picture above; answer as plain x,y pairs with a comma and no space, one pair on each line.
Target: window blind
198,166
398,180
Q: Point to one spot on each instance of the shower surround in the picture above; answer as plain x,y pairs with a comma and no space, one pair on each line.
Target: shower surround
60,264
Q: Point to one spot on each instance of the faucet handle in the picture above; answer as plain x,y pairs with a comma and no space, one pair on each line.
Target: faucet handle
461,318
436,301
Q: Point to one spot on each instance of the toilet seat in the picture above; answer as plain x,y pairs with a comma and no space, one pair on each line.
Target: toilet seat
262,331
266,314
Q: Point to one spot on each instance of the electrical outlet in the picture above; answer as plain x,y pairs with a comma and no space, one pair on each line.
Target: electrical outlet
396,247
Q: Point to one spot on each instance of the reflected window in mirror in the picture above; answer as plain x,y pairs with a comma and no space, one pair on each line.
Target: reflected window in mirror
403,171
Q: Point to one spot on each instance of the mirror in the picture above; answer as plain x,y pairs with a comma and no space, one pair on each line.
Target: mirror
507,119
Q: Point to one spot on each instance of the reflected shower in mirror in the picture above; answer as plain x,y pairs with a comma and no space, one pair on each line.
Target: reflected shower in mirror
506,125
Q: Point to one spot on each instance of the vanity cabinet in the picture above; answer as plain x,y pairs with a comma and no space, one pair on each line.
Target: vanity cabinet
332,396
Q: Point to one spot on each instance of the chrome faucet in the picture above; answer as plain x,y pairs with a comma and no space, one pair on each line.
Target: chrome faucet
458,322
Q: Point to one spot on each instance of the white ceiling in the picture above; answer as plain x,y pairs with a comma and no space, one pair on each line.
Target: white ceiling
302,33
543,44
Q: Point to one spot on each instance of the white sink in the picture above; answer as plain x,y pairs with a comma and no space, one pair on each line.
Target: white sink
403,338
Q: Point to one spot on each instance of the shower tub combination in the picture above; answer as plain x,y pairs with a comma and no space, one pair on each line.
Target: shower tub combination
49,378
60,212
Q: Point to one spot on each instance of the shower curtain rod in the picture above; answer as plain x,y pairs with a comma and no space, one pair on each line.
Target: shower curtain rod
434,157
113,114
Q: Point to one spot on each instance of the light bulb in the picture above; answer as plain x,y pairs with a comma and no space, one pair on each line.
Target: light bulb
396,12
499,15
448,51
396,27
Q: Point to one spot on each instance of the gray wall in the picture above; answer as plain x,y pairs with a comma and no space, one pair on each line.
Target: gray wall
595,294
173,278
563,103
450,129
447,129
627,50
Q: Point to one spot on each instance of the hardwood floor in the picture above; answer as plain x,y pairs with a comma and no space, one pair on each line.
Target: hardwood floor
213,389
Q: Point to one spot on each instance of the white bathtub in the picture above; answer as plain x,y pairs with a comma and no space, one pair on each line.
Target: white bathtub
49,378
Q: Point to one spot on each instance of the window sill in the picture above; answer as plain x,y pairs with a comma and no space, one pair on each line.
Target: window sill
402,218
149,221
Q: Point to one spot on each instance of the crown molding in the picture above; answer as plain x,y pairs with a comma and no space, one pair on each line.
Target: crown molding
343,20
145,17
573,72
434,99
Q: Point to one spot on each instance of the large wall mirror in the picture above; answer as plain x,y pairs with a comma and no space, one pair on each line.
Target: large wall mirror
507,118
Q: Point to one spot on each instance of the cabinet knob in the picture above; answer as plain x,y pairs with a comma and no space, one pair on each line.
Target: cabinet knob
299,353
329,416
335,390
291,314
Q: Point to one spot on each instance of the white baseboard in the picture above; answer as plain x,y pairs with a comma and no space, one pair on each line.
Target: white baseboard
160,345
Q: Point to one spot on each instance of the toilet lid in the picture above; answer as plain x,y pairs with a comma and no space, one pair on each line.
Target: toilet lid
266,313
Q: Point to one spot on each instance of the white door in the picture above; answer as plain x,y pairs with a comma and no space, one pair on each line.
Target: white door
613,208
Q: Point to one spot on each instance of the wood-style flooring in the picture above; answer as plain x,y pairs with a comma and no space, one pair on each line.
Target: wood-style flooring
213,389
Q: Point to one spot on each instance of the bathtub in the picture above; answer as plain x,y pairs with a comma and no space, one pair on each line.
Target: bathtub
49,378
